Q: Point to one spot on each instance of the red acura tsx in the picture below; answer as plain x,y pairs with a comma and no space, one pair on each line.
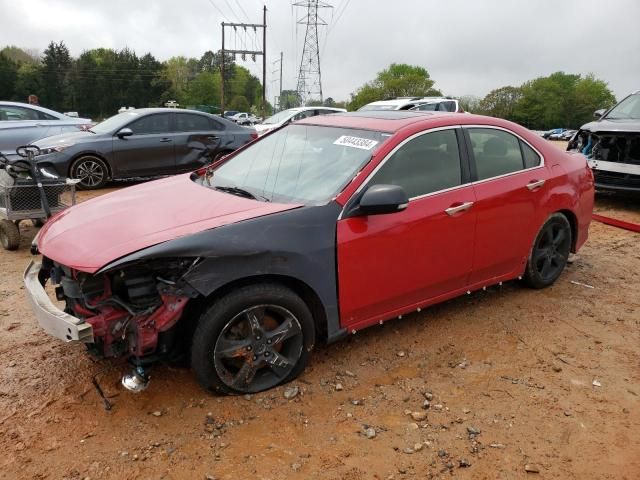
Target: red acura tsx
315,231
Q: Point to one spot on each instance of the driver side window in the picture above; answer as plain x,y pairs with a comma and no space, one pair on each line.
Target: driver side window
425,164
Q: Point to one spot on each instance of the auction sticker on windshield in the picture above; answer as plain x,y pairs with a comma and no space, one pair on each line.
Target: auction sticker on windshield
356,142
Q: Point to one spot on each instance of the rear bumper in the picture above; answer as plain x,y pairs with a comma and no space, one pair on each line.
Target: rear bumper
53,320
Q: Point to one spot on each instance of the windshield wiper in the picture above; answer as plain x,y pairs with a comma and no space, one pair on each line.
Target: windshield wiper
241,192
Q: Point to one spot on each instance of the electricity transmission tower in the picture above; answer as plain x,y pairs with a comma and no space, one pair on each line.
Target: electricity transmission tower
309,77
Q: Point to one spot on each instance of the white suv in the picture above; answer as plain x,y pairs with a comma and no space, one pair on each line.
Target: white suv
434,104
293,114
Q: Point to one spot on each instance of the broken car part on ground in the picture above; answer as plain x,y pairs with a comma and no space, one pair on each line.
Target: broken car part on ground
249,262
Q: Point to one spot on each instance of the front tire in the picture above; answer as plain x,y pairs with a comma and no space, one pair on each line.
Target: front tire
91,171
252,339
549,253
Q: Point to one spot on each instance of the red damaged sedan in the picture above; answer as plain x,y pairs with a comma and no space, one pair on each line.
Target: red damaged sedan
313,232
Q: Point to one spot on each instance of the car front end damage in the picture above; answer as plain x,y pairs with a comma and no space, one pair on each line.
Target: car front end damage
130,311
614,157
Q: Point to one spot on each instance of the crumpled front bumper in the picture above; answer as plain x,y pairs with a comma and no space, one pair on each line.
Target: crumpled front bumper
53,320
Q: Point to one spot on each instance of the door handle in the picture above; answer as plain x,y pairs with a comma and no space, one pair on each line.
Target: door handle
212,137
165,140
532,185
459,208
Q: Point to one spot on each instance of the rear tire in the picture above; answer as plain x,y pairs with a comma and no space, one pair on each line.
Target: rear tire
252,339
9,235
91,171
549,253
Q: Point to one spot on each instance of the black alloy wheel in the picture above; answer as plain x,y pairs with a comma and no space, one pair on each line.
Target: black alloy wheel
550,252
253,339
91,171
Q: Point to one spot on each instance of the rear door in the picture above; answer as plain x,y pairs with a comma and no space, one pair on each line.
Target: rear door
20,126
149,151
194,129
510,184
395,262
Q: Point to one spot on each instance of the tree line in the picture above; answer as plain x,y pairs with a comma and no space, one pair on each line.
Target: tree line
558,100
100,81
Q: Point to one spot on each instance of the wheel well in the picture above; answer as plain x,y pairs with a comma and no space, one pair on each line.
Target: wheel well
304,291
90,154
573,222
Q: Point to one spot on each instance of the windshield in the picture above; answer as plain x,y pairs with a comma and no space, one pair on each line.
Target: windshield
114,123
629,108
280,117
306,164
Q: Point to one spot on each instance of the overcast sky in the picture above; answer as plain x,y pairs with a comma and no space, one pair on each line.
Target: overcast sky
468,46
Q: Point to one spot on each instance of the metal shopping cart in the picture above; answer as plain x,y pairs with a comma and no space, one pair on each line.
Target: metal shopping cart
28,193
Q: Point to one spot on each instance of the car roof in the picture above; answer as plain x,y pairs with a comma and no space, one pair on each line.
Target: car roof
34,107
392,121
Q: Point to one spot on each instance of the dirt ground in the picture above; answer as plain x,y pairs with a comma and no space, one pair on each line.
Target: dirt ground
517,379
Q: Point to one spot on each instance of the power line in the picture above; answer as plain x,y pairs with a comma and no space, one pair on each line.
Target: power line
243,11
232,10
218,9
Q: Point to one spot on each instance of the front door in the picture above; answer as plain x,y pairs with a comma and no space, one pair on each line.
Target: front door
393,263
150,151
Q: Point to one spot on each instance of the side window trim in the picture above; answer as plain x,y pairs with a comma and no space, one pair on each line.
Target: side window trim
472,160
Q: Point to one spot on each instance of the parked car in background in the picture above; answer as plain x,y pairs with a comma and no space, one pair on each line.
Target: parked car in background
145,142
611,144
432,104
292,115
553,131
567,135
291,233
229,113
22,123
244,118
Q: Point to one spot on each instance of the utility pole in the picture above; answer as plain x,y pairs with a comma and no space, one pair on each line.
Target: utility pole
273,72
309,77
253,54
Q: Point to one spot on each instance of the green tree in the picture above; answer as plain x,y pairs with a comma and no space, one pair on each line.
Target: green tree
239,103
289,99
501,102
204,89
20,56
398,80
470,103
8,75
561,100
28,81
56,65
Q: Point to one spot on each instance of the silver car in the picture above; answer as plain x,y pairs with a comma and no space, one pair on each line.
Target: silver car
21,123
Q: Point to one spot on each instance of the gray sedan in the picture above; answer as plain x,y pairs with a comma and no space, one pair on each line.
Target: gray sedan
21,123
146,142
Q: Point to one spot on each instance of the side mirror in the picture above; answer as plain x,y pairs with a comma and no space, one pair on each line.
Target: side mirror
599,113
380,199
124,132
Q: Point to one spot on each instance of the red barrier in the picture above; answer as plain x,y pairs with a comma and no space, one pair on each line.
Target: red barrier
633,227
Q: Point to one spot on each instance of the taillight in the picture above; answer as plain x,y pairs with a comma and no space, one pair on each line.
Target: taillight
253,135
85,127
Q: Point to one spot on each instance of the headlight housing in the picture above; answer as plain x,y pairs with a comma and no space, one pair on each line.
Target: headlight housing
54,149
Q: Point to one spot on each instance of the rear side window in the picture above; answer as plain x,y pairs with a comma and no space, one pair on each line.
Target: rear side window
215,125
10,112
426,164
186,122
531,158
496,152
158,123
